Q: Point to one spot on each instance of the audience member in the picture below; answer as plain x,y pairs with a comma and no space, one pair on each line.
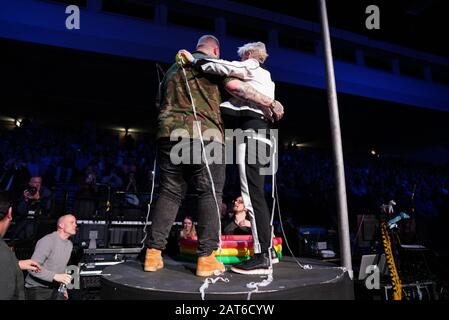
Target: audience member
188,229
239,224
53,253
35,202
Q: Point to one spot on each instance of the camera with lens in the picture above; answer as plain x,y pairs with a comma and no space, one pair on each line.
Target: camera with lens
32,191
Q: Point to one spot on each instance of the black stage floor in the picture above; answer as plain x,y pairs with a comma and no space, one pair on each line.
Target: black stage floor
177,281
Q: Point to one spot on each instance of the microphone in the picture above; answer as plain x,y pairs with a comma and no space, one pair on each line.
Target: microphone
180,59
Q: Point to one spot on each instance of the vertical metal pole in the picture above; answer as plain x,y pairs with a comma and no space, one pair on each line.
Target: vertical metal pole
343,225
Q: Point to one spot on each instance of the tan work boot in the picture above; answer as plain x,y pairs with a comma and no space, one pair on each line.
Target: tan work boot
153,260
209,265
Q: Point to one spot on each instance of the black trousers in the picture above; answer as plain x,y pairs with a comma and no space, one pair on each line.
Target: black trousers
173,180
253,151
41,293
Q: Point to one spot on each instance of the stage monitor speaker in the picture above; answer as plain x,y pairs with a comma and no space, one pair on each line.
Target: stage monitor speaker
87,229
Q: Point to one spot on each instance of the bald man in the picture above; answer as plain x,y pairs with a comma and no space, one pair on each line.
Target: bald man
53,253
176,115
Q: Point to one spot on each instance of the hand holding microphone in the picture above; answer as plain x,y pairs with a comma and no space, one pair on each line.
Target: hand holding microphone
63,278
184,57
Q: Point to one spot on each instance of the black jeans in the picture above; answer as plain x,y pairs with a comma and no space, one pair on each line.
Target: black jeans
173,181
40,293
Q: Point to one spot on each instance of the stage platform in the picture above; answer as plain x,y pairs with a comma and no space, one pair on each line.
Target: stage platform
177,281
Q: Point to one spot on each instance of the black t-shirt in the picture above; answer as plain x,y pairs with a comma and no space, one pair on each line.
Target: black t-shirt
233,228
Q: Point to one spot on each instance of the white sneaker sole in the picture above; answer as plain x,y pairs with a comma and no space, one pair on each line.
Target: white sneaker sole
255,271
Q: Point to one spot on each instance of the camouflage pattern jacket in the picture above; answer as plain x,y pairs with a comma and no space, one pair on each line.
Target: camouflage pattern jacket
176,110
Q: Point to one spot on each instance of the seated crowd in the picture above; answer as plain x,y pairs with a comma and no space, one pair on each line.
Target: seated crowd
93,161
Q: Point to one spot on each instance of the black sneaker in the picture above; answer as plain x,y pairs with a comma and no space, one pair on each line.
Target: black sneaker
258,264
274,256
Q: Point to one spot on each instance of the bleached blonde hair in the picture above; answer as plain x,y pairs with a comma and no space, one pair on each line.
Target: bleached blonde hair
257,48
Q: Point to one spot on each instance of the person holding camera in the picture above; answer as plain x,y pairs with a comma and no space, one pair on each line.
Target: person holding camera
35,201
